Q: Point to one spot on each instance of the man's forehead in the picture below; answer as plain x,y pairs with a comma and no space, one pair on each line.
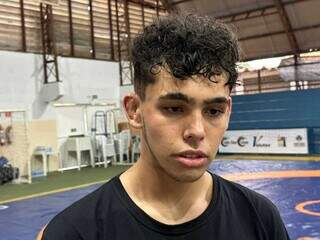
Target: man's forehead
166,84
165,77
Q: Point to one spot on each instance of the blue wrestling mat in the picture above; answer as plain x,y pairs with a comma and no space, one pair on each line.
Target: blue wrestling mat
296,196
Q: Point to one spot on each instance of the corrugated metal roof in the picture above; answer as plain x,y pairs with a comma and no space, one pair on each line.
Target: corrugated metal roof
266,28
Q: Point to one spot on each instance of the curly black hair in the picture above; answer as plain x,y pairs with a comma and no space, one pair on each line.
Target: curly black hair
185,45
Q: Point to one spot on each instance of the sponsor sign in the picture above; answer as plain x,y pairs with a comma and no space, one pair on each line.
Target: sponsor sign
279,141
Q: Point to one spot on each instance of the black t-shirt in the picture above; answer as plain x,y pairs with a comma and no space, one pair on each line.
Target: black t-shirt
235,213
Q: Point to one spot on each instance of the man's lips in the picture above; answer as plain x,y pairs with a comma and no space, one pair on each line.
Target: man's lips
191,158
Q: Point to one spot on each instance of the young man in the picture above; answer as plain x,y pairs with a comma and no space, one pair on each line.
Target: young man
185,68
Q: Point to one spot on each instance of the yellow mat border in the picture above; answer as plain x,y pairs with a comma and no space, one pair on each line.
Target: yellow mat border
52,192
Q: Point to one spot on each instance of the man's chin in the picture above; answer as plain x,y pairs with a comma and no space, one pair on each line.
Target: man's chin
187,177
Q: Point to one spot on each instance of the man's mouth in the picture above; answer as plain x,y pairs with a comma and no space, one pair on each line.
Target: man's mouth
192,154
192,159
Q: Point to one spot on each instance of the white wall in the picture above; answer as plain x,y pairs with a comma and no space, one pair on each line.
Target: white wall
125,90
21,77
84,77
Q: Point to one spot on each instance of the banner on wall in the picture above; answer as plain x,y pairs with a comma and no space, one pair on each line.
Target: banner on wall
279,141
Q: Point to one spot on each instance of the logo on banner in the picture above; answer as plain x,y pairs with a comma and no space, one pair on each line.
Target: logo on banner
299,142
242,141
257,142
282,141
225,142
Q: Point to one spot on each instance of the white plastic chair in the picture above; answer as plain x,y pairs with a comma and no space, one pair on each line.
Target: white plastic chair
106,148
135,148
122,141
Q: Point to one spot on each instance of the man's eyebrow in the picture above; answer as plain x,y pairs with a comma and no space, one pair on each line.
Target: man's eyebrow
176,96
216,100
185,98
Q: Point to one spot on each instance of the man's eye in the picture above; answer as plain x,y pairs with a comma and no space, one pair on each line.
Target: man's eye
174,109
214,112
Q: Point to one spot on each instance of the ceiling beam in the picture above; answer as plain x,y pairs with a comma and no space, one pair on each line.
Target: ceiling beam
250,15
258,9
287,26
243,15
279,32
147,4
23,27
272,55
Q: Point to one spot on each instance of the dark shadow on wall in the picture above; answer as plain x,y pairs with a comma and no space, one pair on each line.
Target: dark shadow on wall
38,106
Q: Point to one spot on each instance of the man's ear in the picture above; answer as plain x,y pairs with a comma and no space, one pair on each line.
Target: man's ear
132,107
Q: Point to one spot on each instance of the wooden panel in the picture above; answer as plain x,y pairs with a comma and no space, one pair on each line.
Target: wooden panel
11,33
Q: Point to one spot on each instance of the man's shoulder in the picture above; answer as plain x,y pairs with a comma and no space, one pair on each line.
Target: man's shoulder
237,190
82,214
97,198
259,207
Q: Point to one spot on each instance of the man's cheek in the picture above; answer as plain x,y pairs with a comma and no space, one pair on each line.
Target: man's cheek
164,135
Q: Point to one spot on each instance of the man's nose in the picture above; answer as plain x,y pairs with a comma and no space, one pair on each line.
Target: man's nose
194,130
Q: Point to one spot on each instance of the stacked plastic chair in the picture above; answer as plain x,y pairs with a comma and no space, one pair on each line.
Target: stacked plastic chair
122,141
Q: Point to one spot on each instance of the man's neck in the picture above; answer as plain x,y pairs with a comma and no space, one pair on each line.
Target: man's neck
164,198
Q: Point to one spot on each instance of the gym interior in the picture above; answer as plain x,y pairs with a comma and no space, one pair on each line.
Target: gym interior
65,68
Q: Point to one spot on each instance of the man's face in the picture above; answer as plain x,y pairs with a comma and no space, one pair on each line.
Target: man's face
183,123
